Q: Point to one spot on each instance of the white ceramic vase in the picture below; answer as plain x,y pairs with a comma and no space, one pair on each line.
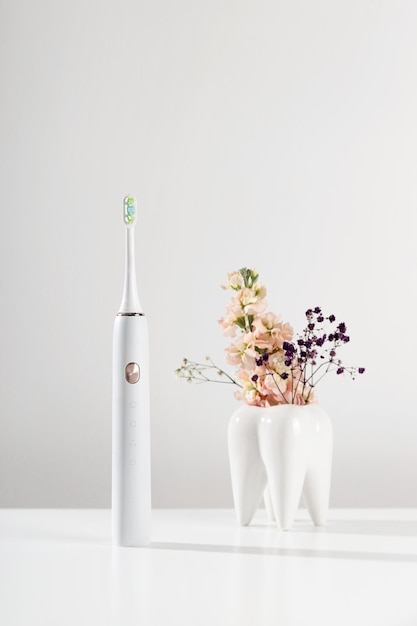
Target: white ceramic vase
280,453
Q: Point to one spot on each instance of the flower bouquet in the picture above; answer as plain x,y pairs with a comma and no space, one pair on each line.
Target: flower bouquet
273,366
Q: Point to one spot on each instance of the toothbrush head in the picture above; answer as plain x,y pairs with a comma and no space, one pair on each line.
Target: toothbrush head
129,210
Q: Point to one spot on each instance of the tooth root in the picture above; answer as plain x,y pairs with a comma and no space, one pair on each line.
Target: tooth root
247,469
286,499
283,453
318,478
316,495
268,505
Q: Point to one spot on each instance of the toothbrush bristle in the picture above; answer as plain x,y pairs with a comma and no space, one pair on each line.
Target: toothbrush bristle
129,210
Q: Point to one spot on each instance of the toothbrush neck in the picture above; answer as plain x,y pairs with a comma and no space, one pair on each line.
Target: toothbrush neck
130,299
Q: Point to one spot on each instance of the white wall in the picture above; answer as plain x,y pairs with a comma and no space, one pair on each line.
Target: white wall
274,134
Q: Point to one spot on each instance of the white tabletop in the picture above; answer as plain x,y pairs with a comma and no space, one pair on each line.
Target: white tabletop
58,567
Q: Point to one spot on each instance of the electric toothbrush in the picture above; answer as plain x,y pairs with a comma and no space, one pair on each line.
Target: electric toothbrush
131,462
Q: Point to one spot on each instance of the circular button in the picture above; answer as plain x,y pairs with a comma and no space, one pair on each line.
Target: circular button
132,373
132,423
133,405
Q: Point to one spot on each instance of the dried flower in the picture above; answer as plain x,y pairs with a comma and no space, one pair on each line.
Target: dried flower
272,367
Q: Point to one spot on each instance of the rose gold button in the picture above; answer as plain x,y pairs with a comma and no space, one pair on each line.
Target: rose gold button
132,373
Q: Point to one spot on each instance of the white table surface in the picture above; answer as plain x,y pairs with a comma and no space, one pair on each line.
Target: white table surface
58,567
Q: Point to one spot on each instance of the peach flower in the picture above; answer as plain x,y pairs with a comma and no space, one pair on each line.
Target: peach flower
234,281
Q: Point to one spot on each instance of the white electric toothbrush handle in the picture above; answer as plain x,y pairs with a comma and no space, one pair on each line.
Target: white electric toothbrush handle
131,462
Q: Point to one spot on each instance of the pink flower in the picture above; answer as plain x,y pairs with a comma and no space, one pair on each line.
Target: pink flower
275,385
271,332
234,281
249,392
253,398
242,352
266,323
228,324
286,332
250,301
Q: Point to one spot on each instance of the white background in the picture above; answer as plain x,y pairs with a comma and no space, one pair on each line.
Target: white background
274,134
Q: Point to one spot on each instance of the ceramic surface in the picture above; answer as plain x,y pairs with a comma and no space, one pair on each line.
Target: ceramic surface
280,453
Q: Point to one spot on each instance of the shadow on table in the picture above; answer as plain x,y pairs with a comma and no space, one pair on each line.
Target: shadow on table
287,552
388,528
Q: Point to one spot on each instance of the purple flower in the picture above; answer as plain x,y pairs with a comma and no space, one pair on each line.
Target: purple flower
301,356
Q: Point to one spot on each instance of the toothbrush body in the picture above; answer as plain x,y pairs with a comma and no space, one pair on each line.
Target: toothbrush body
131,479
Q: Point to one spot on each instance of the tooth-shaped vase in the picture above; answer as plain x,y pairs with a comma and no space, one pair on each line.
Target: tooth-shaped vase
280,453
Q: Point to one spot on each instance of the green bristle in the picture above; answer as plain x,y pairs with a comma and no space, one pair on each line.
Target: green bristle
129,204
